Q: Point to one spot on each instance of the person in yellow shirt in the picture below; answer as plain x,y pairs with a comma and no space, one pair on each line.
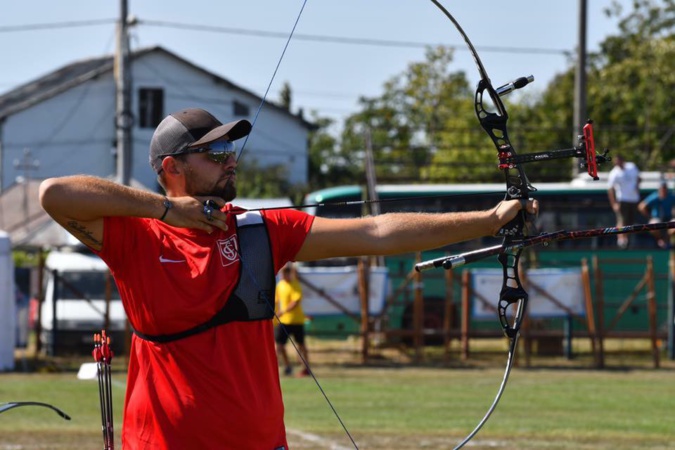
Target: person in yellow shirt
288,300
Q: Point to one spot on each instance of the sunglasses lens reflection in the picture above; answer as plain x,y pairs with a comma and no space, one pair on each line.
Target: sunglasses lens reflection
219,157
222,146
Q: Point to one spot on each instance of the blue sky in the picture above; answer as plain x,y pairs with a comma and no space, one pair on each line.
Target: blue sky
325,76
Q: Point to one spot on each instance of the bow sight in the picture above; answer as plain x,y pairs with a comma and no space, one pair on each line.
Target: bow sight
585,151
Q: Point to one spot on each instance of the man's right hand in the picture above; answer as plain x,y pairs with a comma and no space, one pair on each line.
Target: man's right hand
190,212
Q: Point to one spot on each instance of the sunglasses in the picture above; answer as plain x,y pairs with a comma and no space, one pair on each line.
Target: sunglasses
219,151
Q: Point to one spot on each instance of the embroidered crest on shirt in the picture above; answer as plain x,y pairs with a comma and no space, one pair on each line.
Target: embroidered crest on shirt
229,250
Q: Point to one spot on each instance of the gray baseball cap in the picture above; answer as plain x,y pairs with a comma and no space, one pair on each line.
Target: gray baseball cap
191,128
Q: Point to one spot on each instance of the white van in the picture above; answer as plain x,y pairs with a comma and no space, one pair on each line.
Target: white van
77,286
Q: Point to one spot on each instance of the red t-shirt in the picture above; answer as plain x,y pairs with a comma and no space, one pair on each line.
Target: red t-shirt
218,389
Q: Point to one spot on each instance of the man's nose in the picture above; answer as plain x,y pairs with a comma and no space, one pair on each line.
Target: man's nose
230,167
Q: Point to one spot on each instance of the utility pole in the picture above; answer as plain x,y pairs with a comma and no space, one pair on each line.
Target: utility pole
26,164
123,116
580,80
371,179
371,185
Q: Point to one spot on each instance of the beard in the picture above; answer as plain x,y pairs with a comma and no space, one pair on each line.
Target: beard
226,190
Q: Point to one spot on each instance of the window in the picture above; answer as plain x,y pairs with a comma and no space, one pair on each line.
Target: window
150,107
85,285
240,109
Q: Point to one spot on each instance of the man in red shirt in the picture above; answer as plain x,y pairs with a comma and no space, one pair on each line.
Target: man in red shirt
192,269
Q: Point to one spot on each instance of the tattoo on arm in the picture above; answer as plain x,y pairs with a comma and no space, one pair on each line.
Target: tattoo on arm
80,230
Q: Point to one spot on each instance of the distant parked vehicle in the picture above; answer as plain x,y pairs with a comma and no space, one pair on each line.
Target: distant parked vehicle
79,295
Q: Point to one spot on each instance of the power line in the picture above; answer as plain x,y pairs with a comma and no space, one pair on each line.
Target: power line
281,35
345,40
55,25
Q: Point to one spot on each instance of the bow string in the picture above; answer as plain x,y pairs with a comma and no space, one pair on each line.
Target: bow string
245,264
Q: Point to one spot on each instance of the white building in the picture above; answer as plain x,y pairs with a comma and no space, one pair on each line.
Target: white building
64,122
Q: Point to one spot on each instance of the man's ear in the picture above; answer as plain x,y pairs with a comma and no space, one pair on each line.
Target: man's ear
170,165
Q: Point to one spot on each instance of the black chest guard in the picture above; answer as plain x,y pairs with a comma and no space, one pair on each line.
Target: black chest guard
253,297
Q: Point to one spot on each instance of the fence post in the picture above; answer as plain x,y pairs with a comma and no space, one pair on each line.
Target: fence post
418,313
448,315
599,294
364,277
590,312
651,308
670,320
55,320
466,294
568,330
527,322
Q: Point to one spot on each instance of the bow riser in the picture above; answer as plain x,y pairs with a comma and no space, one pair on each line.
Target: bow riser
512,293
494,124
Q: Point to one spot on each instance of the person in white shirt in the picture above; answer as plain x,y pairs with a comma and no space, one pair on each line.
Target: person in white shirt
624,194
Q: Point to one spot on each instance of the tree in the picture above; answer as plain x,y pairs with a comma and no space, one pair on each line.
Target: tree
423,126
633,78
630,83
257,182
423,118
329,164
286,96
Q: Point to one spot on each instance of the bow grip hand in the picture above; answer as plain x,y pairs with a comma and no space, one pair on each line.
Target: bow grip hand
524,222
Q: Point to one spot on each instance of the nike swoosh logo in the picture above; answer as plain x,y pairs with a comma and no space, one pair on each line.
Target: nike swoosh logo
166,260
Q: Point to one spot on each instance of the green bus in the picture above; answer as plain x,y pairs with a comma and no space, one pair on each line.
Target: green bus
579,204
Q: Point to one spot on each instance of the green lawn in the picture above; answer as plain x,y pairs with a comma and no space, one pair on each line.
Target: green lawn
400,408
436,408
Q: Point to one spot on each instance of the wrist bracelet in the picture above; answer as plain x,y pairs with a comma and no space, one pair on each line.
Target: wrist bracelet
168,205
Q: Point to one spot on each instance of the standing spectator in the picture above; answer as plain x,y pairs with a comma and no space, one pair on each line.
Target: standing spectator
658,207
624,194
288,300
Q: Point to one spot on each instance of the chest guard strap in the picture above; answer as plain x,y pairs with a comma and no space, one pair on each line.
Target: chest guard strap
253,297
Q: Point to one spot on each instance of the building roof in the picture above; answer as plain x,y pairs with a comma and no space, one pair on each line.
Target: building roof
76,73
27,224
19,207
52,84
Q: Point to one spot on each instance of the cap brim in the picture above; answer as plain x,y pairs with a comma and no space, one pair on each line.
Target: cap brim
233,130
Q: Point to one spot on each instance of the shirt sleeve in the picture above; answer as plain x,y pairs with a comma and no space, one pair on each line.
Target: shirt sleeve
288,230
115,240
124,237
296,291
649,200
119,235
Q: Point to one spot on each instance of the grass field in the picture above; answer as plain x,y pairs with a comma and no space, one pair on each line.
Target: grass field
390,405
